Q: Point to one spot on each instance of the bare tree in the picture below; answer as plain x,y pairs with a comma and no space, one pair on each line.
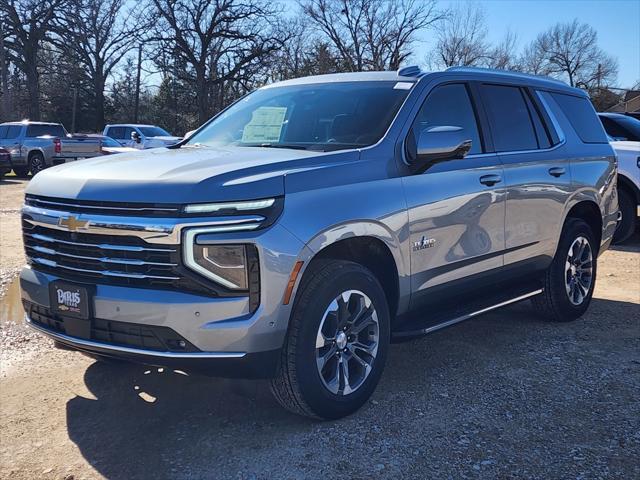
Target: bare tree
570,51
462,38
97,33
218,41
503,55
28,24
371,34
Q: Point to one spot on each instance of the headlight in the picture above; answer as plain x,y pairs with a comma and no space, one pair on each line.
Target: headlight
225,264
231,206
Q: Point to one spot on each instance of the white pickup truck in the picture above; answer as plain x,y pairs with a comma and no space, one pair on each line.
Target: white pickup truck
35,146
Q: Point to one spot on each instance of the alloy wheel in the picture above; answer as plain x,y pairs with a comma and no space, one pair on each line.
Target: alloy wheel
579,270
347,342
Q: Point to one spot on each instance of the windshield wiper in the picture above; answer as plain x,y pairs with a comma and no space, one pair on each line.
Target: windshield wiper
292,146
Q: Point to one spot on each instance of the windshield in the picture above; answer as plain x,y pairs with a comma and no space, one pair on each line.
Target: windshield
109,142
330,116
153,132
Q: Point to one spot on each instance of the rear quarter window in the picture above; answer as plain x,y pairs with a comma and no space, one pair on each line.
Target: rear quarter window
582,117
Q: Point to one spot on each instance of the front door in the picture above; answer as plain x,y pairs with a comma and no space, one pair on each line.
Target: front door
456,208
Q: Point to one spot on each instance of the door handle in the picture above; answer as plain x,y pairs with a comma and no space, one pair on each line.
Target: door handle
490,180
557,171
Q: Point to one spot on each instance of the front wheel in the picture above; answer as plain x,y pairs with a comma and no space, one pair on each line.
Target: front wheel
571,278
337,342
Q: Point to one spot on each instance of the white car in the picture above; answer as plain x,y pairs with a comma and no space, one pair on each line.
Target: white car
624,135
140,136
628,154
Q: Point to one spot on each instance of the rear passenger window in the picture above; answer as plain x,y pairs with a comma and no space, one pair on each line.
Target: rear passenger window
582,117
449,105
511,125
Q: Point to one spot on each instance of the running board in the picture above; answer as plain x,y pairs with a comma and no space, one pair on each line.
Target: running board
467,316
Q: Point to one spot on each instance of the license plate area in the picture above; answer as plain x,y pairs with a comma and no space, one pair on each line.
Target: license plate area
73,302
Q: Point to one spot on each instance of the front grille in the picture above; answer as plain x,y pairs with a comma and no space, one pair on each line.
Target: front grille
124,334
110,259
105,208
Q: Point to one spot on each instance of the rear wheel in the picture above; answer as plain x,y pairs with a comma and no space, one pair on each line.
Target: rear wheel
628,208
571,278
337,342
36,163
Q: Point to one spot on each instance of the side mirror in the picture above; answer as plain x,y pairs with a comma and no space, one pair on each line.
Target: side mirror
438,144
135,136
188,134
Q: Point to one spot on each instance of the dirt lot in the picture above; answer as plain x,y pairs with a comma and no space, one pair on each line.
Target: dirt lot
504,396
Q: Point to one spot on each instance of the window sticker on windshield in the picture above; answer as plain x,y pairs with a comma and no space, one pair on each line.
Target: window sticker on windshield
403,86
265,125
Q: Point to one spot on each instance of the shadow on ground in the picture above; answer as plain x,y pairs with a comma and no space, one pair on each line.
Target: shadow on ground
507,389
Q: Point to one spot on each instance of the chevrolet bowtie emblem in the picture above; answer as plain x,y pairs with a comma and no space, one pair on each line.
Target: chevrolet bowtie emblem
73,224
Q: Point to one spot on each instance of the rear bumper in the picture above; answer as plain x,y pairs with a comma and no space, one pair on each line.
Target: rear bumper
221,364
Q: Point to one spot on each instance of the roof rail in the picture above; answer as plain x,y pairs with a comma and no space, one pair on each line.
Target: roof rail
506,72
410,71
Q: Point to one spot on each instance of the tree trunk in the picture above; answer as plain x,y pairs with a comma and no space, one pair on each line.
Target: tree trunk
202,97
33,86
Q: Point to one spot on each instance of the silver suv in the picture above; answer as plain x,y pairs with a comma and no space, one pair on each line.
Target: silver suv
314,221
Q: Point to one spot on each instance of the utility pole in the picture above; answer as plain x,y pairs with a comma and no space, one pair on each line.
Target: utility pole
137,100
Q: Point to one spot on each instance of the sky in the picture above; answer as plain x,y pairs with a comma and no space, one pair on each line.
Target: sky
616,21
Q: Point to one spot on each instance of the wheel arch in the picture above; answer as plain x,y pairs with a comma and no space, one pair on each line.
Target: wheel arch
371,245
627,184
589,211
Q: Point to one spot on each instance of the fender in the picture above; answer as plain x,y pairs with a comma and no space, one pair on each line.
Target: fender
364,228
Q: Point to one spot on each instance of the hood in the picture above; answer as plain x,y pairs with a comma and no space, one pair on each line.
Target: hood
181,175
626,146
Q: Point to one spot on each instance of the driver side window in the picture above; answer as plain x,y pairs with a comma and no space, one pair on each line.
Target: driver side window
449,105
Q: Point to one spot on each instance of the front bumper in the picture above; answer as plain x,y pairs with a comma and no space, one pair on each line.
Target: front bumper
228,339
220,364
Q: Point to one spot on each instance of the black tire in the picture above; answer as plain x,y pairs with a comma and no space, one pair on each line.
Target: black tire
21,172
554,303
298,386
627,225
36,163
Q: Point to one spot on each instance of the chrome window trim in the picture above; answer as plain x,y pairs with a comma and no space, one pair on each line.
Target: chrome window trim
554,120
189,258
137,351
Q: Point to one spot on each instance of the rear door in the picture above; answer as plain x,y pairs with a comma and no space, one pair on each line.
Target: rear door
456,208
536,171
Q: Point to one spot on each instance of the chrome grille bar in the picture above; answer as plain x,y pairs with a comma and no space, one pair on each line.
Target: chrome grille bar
106,273
122,261
103,246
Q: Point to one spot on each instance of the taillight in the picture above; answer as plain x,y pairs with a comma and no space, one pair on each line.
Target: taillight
57,145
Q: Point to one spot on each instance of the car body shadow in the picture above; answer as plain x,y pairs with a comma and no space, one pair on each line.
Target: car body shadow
146,422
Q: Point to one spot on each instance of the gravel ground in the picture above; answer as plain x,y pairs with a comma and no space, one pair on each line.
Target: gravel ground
506,395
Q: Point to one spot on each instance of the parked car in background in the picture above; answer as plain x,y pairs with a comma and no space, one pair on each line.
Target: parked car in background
35,146
111,146
628,154
294,236
140,136
624,135
621,127
5,162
